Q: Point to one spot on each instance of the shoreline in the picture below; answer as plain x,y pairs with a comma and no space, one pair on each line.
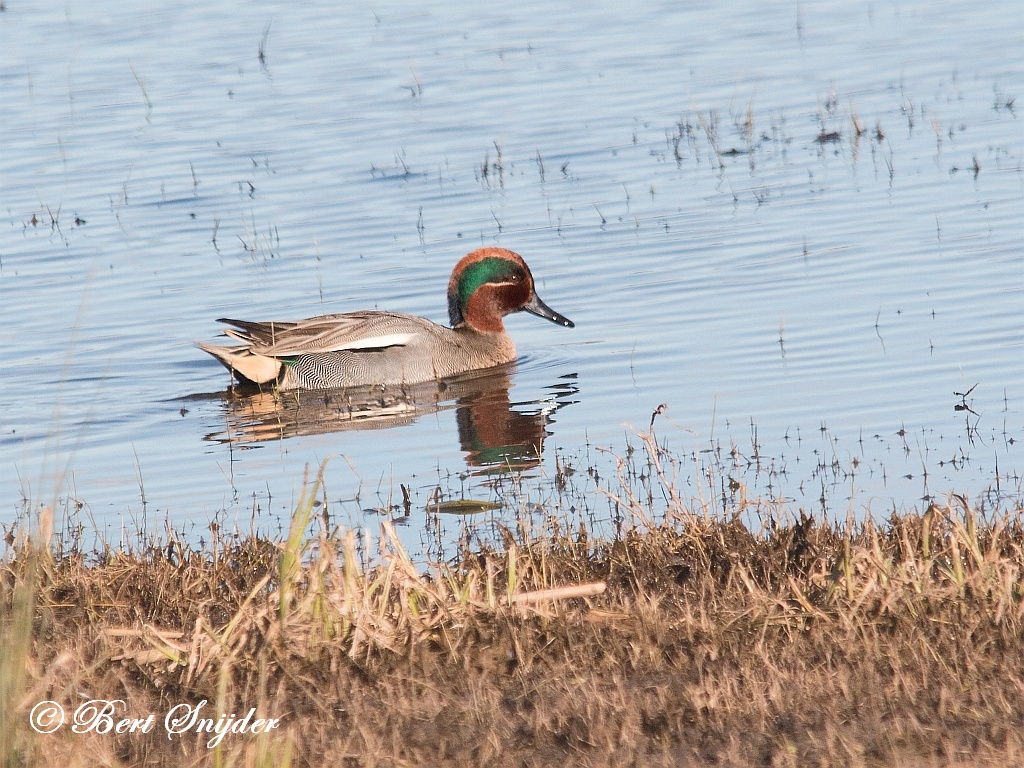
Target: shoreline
683,642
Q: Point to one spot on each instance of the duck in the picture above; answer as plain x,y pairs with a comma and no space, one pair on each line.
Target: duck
373,348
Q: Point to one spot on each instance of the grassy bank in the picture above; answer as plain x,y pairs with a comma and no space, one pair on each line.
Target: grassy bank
692,641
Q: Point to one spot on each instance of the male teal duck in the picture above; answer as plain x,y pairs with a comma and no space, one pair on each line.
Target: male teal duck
388,348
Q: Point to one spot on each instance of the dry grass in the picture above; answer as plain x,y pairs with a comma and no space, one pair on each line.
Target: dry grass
697,641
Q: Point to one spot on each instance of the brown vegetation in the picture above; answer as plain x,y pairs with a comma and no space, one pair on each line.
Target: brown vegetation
695,642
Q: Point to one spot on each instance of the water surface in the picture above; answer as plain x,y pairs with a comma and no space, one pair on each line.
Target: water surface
689,186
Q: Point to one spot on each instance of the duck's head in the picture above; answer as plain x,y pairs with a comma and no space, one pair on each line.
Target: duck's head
490,283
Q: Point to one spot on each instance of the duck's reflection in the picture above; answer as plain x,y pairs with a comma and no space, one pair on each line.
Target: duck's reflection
495,433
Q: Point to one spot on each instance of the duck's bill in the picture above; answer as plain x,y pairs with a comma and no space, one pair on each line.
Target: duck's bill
540,309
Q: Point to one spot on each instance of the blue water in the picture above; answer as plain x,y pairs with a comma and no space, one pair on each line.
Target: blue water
687,184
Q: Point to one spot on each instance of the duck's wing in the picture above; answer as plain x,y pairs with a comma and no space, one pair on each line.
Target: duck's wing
327,333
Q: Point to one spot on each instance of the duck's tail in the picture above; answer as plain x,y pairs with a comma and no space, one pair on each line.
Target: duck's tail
246,364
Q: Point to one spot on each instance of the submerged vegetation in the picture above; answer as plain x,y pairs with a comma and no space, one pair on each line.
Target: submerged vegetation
689,640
